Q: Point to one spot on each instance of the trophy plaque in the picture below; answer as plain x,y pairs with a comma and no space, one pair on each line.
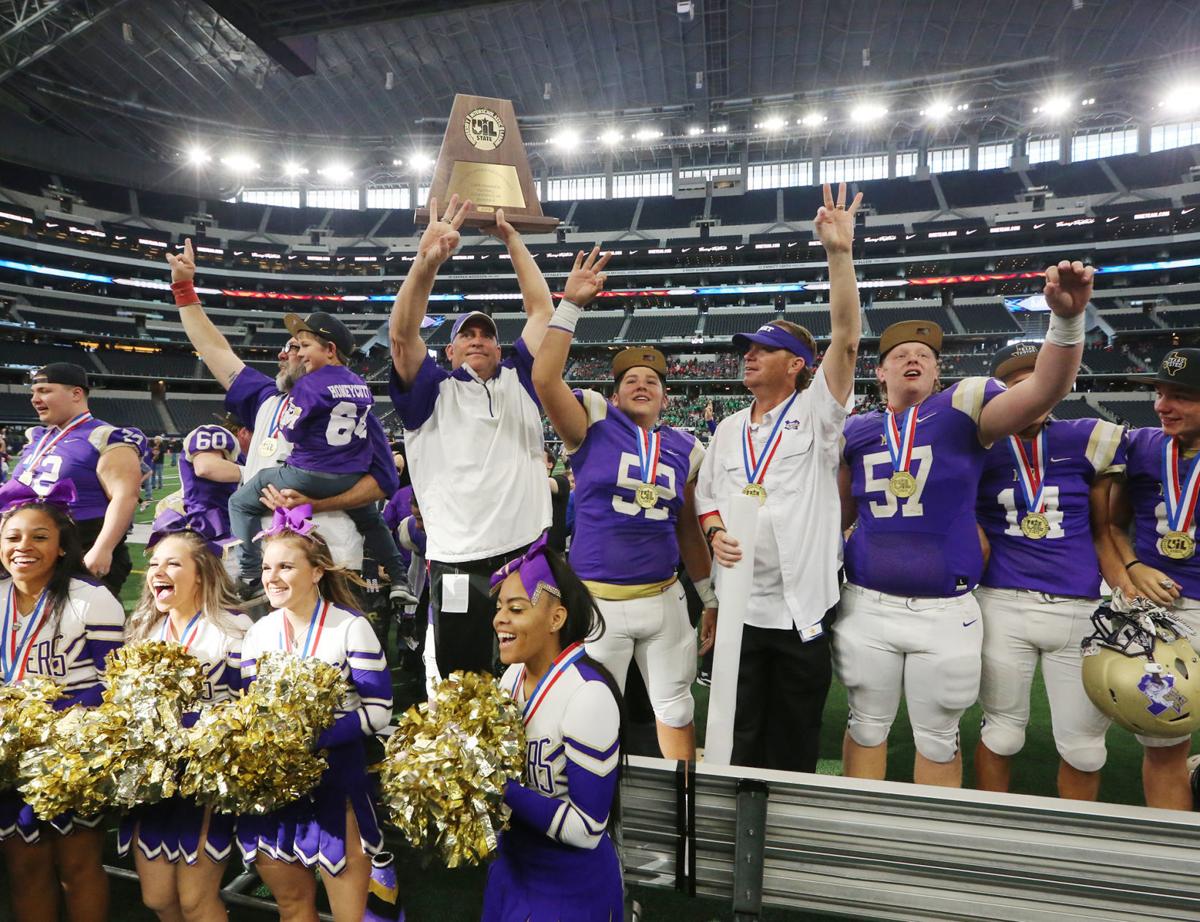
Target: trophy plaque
483,159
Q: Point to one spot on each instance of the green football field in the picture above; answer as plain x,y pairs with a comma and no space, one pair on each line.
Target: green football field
434,894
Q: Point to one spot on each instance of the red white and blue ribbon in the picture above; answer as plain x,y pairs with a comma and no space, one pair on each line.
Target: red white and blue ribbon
900,437
1031,469
1179,493
756,467
189,632
50,438
312,639
277,415
14,655
649,445
564,661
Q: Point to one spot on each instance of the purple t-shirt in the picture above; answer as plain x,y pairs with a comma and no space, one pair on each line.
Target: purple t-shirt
75,458
326,422
1144,473
200,493
1064,562
616,540
925,545
251,389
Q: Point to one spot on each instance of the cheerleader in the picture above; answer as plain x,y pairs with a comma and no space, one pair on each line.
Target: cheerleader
187,598
59,623
557,862
334,828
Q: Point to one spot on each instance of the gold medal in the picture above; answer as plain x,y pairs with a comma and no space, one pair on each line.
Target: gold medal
902,484
646,496
757,490
267,446
1035,525
1178,545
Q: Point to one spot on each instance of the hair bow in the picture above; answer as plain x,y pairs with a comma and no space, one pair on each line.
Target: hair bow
298,520
533,567
16,493
209,524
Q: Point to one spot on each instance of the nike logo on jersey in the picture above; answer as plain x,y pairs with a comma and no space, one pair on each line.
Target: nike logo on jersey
969,623
1056,460
922,419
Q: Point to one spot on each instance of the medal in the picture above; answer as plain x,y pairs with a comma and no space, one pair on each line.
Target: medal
1179,496
267,446
47,443
757,490
270,443
646,496
316,625
756,466
899,440
14,655
1035,526
902,484
1031,474
1177,545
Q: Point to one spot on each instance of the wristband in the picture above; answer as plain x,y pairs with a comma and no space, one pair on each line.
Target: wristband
185,292
711,532
704,589
566,316
1132,563
1065,331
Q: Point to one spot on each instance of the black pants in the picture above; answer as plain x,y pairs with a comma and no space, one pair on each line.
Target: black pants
122,563
782,686
466,640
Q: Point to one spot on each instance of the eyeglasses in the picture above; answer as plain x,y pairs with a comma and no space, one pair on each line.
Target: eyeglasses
292,347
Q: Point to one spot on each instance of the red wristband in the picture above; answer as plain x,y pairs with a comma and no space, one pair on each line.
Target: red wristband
185,293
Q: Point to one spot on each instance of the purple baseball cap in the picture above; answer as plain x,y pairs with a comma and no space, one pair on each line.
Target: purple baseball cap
486,320
774,336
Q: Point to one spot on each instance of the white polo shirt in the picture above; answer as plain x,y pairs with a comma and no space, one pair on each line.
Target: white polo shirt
475,454
798,548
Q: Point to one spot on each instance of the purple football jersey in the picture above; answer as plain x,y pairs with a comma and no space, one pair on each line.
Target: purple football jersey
74,457
326,422
395,511
200,493
1144,473
1064,562
616,540
925,545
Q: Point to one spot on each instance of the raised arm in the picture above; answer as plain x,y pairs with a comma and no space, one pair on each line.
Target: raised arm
539,305
566,414
215,351
1068,290
834,226
441,238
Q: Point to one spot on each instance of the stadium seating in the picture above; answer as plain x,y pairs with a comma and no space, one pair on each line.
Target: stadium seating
149,365
1108,362
127,411
1076,408
1135,413
986,318
190,411
595,327
654,325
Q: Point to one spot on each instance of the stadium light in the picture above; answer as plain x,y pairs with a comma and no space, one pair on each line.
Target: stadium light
420,161
813,119
240,163
773,123
197,156
292,169
938,110
720,129
694,131
1182,99
565,140
1055,106
337,172
647,134
867,112
611,137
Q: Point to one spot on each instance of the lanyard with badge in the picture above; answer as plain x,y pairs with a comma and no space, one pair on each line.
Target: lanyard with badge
14,654
756,467
1179,495
47,443
270,442
1031,474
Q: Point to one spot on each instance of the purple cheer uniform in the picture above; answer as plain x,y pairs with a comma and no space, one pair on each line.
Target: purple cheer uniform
312,830
171,829
1144,473
1064,562
47,459
925,545
556,862
70,650
200,493
326,422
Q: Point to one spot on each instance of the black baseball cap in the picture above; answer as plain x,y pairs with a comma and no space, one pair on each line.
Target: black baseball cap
324,326
1015,357
64,373
1179,368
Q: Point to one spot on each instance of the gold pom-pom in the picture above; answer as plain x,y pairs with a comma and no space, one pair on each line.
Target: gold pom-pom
125,751
254,753
26,713
446,767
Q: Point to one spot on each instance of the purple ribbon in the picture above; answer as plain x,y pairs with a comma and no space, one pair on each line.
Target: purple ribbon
533,567
207,523
14,493
298,520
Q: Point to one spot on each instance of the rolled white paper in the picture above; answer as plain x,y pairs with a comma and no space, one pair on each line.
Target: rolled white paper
740,514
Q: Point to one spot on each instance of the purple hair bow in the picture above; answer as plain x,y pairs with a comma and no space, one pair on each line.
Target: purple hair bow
208,524
533,567
298,520
14,493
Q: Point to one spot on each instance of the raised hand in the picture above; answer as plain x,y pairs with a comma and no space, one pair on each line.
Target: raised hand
587,276
1069,287
441,237
834,223
501,230
183,266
